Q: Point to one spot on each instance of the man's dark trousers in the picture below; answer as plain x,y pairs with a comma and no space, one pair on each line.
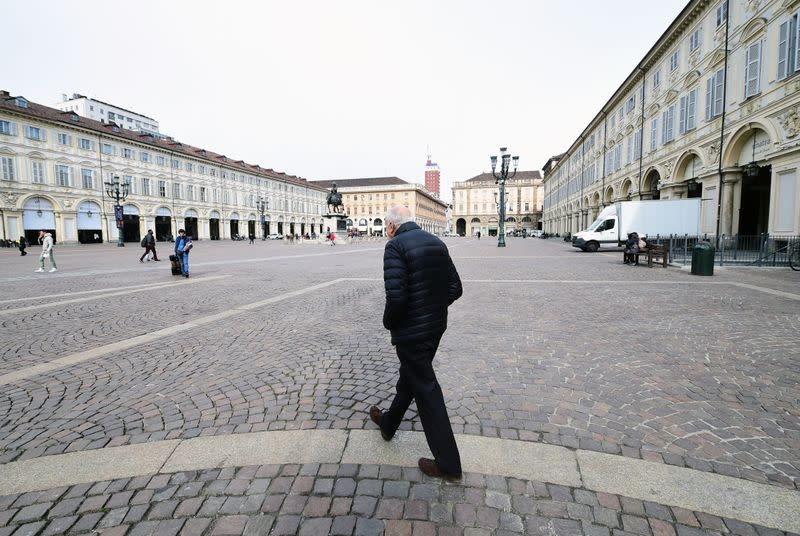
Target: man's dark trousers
147,249
418,382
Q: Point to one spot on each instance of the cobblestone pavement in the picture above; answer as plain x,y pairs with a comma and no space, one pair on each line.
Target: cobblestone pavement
579,351
318,499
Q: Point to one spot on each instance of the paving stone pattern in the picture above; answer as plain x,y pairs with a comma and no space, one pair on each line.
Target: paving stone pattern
319,499
691,373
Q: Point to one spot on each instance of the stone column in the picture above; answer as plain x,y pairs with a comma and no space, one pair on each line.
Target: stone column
726,217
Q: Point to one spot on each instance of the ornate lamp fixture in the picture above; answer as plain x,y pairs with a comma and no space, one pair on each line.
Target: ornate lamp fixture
752,169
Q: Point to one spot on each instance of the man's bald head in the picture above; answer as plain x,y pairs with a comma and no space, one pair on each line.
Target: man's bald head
395,217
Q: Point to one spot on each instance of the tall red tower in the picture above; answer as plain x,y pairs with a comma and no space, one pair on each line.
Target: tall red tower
432,176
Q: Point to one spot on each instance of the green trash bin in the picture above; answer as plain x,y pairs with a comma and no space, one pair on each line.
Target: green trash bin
703,259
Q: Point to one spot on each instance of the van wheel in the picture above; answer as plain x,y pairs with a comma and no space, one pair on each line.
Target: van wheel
592,247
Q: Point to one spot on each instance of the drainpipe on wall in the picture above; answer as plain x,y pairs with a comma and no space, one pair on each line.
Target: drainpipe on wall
722,126
172,184
605,139
583,173
102,183
641,132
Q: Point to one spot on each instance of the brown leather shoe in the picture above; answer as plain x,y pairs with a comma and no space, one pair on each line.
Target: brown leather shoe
429,467
375,414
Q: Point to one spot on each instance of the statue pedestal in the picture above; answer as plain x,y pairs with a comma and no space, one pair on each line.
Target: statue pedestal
336,223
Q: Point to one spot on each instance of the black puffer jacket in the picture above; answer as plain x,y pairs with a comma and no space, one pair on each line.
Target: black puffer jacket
421,282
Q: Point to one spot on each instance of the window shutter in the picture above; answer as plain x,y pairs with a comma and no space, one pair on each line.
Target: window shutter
718,83
690,114
783,50
654,134
629,155
752,69
637,143
794,31
42,134
682,115
27,131
14,129
664,127
669,122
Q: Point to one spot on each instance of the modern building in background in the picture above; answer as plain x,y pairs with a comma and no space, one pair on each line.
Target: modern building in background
53,166
367,200
476,204
432,177
104,112
712,111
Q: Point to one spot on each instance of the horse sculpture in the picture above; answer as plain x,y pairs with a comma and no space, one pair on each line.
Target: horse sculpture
335,205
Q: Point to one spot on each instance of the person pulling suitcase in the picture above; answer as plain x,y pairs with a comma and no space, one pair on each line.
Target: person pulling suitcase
183,244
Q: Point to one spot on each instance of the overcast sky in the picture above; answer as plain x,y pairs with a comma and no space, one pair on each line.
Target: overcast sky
341,89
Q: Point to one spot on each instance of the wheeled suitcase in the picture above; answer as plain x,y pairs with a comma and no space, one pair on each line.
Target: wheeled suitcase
175,263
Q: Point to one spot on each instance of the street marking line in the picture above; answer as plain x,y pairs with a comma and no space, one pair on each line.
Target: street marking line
781,293
111,294
75,293
753,502
84,273
146,338
765,290
516,257
285,257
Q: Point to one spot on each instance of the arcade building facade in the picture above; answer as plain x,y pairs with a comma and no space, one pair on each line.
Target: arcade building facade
712,111
54,165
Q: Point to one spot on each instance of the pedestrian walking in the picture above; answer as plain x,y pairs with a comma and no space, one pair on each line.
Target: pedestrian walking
252,239
479,235
46,240
23,243
149,245
183,244
333,239
420,282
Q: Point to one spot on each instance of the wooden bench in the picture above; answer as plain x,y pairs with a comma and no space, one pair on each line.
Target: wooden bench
653,251
656,251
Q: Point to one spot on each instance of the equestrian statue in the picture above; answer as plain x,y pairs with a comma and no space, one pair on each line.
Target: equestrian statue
335,205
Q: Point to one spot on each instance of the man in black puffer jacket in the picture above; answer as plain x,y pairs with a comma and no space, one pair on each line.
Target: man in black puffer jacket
421,282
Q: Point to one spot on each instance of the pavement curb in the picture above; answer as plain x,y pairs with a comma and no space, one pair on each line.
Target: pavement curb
695,490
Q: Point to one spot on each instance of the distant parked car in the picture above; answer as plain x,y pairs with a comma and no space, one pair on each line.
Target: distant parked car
275,237
536,232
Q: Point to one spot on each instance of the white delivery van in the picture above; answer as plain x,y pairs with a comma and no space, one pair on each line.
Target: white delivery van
647,218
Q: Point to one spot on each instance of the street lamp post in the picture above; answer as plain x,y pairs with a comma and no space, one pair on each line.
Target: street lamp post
263,205
505,160
118,191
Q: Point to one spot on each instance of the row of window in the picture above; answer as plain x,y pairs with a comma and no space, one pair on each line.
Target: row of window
144,186
491,207
9,128
354,197
112,116
788,59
